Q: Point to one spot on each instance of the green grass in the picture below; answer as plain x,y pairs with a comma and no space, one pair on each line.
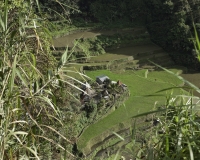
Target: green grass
137,102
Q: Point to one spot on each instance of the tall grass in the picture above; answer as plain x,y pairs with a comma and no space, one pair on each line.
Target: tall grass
177,133
196,42
29,116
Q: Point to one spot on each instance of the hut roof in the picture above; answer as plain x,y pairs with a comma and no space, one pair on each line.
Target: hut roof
101,79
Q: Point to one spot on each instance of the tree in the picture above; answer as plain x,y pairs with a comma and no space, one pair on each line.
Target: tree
59,9
109,11
170,25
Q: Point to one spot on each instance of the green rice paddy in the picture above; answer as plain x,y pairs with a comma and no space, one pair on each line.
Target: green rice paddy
140,85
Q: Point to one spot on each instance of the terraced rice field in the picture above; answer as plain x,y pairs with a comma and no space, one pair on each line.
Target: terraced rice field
142,78
147,83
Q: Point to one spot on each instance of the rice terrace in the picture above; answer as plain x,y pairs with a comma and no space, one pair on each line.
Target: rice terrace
147,83
99,80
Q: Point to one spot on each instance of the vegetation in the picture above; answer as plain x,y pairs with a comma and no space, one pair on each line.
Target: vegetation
31,106
173,133
137,95
111,11
30,84
173,19
161,17
40,113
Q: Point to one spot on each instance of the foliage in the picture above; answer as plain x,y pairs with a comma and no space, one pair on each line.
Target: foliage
112,10
196,43
89,47
29,79
81,115
174,134
173,19
180,127
59,10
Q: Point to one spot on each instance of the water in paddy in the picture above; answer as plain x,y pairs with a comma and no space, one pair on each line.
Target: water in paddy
67,40
123,52
194,78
